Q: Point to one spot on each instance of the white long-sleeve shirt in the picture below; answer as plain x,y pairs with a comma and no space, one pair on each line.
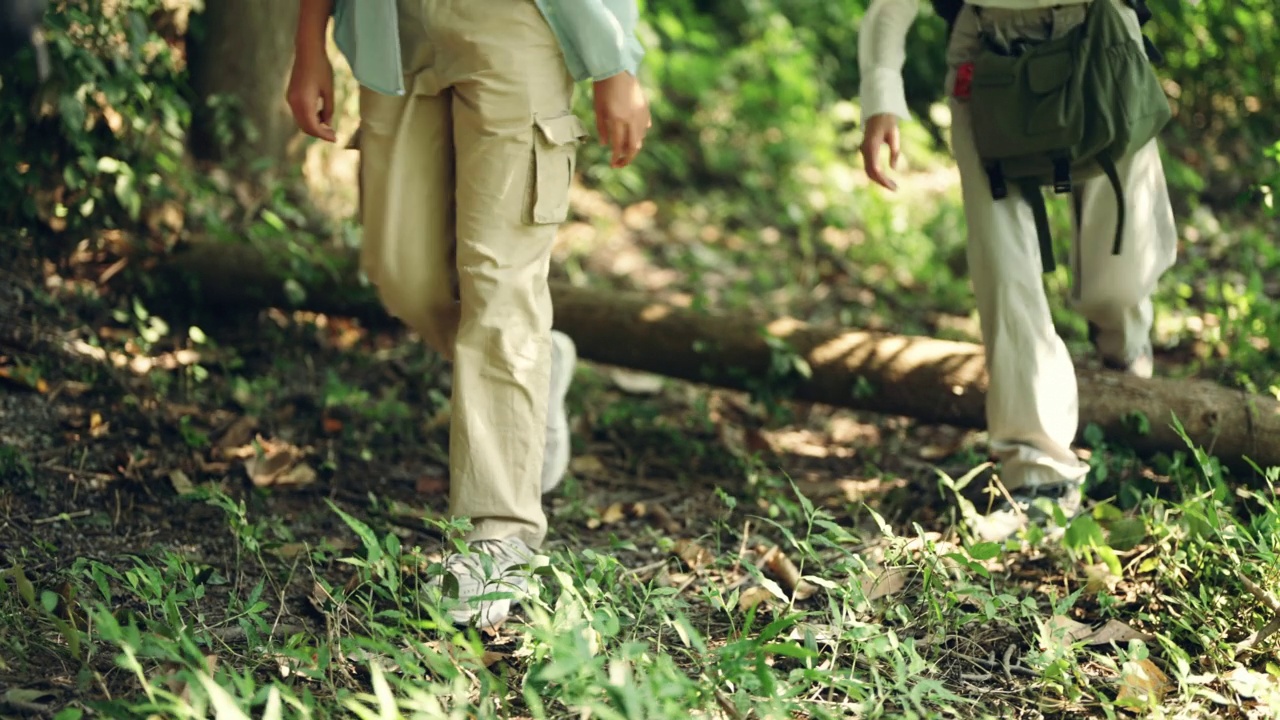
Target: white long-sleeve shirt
882,49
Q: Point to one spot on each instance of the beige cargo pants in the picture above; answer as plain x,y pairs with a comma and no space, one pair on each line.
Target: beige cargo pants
463,183
1032,402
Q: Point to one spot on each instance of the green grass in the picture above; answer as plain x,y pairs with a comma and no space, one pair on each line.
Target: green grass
901,623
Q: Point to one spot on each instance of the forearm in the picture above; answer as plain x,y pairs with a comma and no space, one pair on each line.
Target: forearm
881,55
313,25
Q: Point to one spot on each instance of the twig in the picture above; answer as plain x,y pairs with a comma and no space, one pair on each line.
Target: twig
639,572
1008,661
23,706
105,477
237,633
991,665
1263,596
1271,603
62,517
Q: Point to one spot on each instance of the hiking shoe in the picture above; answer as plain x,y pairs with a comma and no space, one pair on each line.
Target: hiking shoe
555,461
1142,366
490,575
1031,505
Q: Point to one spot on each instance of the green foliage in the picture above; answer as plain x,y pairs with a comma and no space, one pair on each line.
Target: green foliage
104,138
751,99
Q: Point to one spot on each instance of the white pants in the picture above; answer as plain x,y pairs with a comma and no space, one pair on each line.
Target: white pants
1032,403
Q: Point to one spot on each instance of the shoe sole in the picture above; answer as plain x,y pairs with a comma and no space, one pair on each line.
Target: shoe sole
560,424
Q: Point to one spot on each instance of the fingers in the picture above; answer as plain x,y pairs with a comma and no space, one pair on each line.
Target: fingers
871,158
622,153
894,141
312,112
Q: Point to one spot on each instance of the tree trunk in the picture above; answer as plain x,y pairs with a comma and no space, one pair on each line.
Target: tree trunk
931,380
242,51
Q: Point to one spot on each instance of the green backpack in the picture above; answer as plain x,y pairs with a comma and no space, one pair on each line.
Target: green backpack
1055,113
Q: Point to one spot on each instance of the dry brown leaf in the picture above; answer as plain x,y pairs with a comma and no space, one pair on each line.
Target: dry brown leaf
181,689
491,658
97,426
432,485
289,551
752,597
636,383
181,483
693,554
1062,630
612,514
1142,681
1099,578
330,425
788,574
439,421
887,582
278,464
1117,632
586,465
659,515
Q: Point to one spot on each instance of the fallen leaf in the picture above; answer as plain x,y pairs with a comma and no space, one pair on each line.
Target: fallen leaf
181,483
98,427
1062,630
25,379
331,425
238,433
612,514
1099,578
693,554
788,574
662,518
1255,686
1143,682
637,383
491,658
888,582
752,597
1117,632
586,465
289,551
279,463
432,485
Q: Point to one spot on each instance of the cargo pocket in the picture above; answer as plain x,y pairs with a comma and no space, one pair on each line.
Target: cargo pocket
555,158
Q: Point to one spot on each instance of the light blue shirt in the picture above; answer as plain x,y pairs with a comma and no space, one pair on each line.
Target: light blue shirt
598,38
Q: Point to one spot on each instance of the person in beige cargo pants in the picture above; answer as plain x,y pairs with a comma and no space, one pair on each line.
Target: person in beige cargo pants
464,180
1032,406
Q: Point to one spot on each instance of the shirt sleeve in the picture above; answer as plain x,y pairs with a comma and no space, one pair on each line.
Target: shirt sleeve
602,33
882,52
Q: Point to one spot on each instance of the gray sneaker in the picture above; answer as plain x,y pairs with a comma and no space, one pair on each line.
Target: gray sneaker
490,576
555,463
1031,505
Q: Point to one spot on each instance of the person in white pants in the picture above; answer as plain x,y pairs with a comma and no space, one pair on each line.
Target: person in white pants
1032,408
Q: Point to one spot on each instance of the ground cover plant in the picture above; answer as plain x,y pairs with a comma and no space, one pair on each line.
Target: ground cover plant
210,511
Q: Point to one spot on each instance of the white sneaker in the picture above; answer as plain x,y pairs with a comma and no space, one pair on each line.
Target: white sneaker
555,462
490,576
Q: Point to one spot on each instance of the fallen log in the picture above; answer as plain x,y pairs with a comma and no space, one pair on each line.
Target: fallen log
932,380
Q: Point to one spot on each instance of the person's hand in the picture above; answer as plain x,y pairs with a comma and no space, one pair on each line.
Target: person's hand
622,116
311,93
881,130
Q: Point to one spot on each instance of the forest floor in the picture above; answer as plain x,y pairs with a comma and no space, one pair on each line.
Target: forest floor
242,516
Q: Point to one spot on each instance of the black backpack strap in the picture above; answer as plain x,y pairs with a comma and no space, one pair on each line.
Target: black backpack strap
1113,174
1144,15
1031,191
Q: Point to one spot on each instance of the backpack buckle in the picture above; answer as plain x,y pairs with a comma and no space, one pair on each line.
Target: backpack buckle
1061,176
